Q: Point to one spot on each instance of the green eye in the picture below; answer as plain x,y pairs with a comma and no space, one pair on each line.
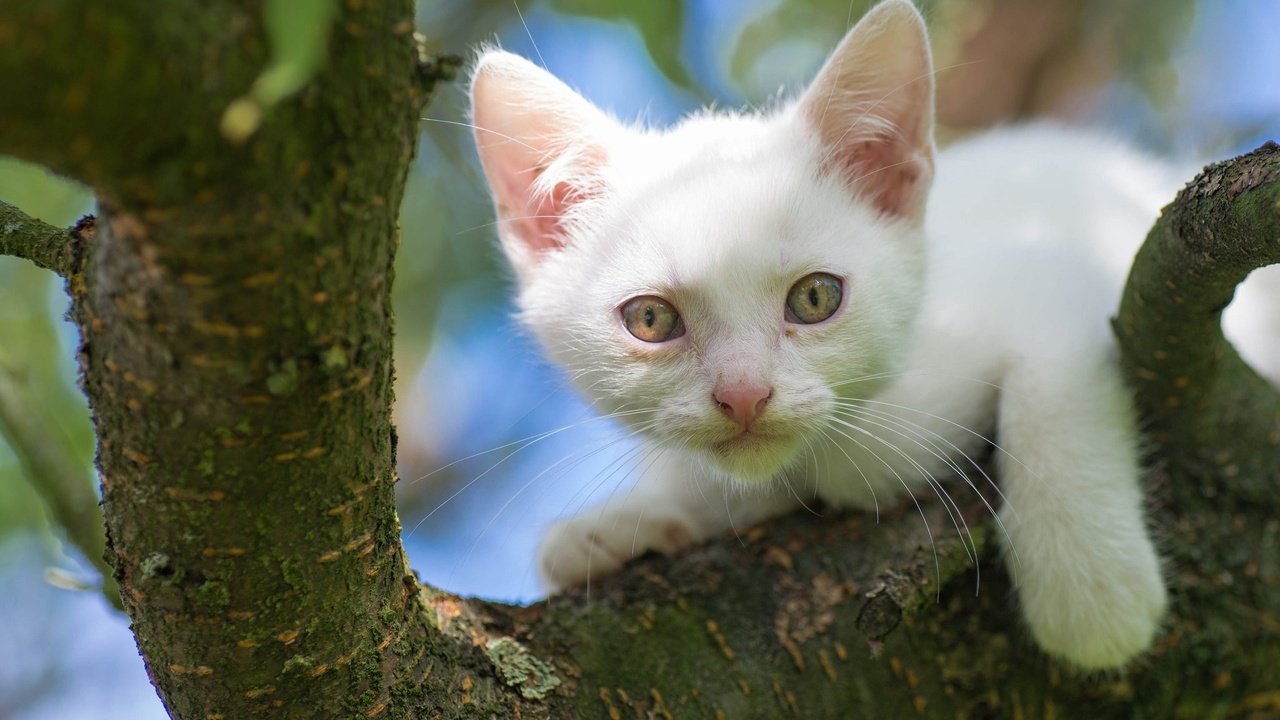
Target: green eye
652,319
814,298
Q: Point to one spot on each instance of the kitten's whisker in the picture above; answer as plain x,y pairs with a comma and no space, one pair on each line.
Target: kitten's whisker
872,376
790,490
919,440
650,459
826,462
918,373
600,478
953,509
528,440
595,541
909,425
499,221
724,493
577,461
477,128
998,447
594,484
560,386
937,564
785,476
488,470
855,465
705,500
530,34
932,448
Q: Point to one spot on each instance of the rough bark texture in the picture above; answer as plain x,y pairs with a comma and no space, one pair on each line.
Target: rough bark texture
48,247
234,311
1214,416
235,318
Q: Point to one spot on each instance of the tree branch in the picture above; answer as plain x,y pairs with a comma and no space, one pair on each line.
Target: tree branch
801,617
1213,417
60,482
833,619
43,244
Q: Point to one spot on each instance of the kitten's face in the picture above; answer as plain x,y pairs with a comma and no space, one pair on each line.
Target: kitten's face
719,286
721,218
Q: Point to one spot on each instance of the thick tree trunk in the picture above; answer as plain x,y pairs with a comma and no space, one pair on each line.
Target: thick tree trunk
234,310
233,300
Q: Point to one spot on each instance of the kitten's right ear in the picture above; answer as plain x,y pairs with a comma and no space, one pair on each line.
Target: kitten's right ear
872,108
542,146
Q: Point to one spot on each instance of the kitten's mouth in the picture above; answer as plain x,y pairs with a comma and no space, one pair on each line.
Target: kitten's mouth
744,440
752,455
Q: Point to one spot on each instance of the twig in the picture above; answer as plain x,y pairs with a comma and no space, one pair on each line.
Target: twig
43,244
433,69
58,479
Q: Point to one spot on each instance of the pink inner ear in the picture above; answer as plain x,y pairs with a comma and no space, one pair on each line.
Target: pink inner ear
529,123
884,171
538,218
871,106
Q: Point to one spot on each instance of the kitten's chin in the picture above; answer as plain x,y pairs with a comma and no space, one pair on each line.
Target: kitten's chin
753,458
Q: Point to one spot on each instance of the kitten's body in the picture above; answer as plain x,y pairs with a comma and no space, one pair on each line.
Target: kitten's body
987,313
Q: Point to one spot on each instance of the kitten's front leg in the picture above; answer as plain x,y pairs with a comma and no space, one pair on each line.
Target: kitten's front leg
673,505
1087,573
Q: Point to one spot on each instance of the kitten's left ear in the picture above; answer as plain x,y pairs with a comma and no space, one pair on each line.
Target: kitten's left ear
872,108
541,145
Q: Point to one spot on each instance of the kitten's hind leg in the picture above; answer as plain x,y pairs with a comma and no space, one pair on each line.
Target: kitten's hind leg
1087,573
673,505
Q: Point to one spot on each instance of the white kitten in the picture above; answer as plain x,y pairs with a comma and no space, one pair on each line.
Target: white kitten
742,288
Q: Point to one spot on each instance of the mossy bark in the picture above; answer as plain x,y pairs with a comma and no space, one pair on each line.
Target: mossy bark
1213,416
236,331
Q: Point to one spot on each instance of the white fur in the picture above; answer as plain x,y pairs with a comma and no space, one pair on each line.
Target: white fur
989,313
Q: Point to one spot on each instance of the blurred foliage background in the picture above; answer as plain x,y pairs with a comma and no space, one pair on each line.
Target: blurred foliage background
1194,80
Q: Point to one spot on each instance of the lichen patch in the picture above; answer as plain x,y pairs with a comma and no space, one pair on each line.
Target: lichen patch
519,668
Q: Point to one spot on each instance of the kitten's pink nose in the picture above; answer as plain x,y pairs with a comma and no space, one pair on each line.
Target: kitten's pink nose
742,403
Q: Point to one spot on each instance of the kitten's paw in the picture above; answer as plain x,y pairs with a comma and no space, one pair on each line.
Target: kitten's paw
1096,613
599,543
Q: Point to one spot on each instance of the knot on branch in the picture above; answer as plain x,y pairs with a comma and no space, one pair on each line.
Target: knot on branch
432,68
81,236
